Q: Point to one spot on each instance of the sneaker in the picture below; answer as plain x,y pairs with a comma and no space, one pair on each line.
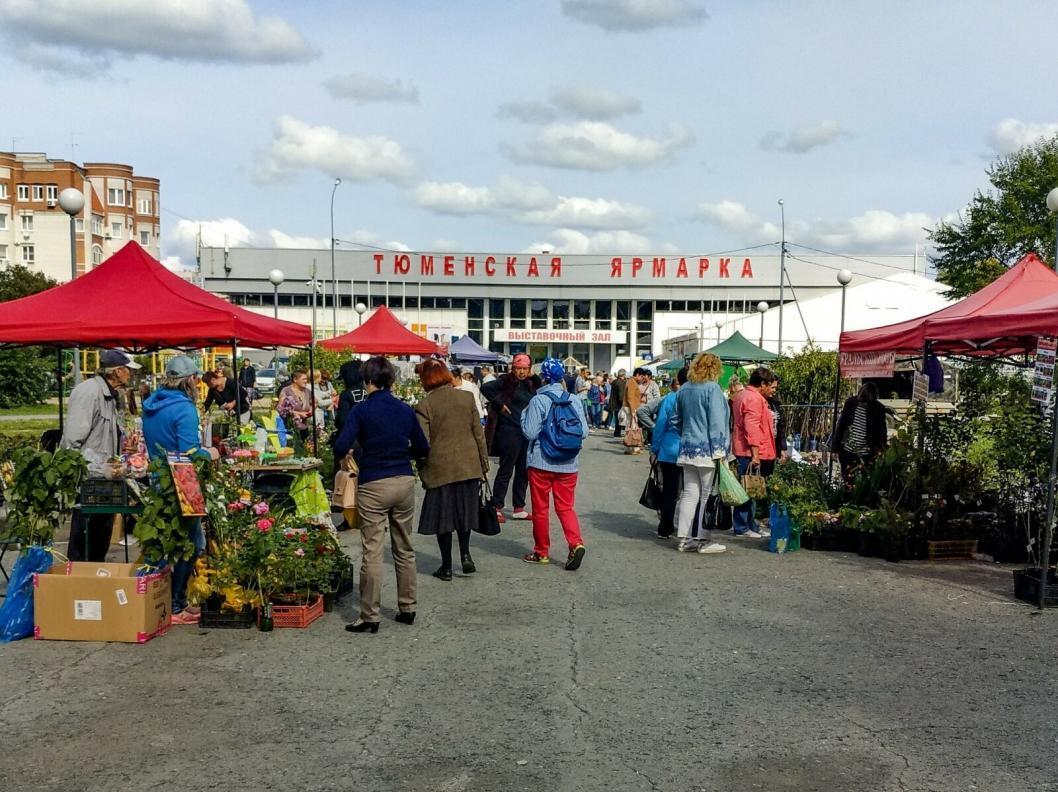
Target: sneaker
521,514
535,558
664,537
576,556
183,617
764,533
687,545
712,547
751,534
499,517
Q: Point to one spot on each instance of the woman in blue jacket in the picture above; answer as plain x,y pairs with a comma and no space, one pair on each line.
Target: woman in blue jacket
170,425
702,417
664,449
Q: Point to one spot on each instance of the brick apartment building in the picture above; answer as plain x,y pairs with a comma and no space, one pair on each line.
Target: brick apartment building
35,231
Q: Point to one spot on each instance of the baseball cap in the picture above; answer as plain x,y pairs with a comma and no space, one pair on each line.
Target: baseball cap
522,360
182,366
113,358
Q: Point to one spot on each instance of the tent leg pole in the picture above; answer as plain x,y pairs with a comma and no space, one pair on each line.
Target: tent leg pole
235,375
1048,525
312,396
58,378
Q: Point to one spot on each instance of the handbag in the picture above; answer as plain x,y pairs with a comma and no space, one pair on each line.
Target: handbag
754,483
731,491
488,523
651,497
344,493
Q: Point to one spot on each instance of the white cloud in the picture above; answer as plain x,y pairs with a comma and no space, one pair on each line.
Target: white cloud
186,30
595,104
364,88
874,231
1011,135
570,242
532,204
179,242
804,139
597,146
298,146
528,112
635,15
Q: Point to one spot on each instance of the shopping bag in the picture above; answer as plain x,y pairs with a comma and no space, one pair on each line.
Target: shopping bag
754,483
488,521
633,437
784,539
16,612
731,491
651,497
344,493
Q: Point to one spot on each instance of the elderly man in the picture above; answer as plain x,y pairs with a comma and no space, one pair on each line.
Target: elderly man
92,428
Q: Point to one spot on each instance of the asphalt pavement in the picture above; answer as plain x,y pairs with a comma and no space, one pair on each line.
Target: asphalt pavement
646,669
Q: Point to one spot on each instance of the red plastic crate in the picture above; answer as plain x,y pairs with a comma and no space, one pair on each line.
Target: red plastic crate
297,615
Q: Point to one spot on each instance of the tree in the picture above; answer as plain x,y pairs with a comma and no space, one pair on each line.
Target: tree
1000,225
26,373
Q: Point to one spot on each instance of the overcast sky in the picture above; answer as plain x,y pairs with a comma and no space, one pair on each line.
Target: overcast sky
583,126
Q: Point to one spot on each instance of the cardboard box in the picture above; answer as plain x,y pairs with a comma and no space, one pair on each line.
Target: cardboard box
85,601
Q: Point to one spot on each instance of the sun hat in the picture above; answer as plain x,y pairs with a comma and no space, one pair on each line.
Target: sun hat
182,366
522,360
113,358
551,370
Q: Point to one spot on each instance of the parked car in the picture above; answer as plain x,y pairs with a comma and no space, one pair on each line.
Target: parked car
266,380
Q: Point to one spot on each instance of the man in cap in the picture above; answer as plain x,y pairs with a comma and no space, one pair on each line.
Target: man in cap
91,427
507,397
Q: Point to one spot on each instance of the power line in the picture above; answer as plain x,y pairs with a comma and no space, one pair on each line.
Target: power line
838,269
850,258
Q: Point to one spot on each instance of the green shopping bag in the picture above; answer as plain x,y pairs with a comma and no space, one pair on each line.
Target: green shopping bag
731,492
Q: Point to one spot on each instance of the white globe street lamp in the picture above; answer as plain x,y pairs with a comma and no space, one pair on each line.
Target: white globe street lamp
71,200
360,309
762,308
275,277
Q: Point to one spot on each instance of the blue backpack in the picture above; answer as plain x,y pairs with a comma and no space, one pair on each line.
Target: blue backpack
561,437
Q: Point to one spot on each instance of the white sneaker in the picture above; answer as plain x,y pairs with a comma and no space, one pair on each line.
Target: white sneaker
712,547
751,534
688,545
521,514
764,533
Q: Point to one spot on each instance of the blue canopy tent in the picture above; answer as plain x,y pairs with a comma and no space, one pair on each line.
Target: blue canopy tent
467,350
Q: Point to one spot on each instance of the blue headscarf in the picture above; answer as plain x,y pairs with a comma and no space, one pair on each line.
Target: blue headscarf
551,371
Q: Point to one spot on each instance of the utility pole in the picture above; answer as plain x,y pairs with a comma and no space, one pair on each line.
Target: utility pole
782,271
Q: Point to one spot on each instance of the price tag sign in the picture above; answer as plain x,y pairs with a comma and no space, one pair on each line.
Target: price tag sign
1043,375
920,390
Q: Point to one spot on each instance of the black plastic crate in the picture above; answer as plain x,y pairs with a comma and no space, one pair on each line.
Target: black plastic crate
1027,587
104,492
227,620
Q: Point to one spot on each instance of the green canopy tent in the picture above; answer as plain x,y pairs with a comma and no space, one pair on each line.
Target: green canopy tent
739,349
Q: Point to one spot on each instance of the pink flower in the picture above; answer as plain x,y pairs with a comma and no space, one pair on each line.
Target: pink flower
237,506
260,508
264,525
288,534
299,552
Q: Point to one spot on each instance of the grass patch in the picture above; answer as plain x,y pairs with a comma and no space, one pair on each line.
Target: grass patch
32,409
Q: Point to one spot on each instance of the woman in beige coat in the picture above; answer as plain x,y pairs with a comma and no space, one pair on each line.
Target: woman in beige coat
455,466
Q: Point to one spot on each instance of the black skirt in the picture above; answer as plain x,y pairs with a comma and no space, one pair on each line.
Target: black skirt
451,507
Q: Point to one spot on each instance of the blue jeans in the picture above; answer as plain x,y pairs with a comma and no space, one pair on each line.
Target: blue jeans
595,416
744,517
182,570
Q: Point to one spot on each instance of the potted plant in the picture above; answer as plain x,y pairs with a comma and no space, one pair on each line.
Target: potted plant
45,486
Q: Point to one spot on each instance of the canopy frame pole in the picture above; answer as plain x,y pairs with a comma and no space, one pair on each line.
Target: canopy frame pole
1048,525
235,376
58,379
312,396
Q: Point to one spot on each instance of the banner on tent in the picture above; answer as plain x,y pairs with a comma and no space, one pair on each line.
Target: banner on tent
867,364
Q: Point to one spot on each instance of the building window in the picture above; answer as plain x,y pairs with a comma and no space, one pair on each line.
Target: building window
29,254
603,315
116,196
78,225
97,225
23,192
115,229
560,314
517,308
475,309
3,191
145,239
582,314
3,221
27,223
539,314
97,255
624,315
53,192
3,254
38,192
145,206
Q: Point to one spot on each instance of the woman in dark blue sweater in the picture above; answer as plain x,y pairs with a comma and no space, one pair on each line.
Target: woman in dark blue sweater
389,438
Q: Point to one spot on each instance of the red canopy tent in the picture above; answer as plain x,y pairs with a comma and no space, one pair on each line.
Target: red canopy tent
132,301
382,334
1027,281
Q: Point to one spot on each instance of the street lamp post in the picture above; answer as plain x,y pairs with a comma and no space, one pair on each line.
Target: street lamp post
72,202
360,309
762,308
844,278
275,277
334,278
1048,526
719,324
782,270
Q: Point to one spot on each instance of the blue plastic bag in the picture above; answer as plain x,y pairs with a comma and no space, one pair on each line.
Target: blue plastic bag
16,613
781,529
